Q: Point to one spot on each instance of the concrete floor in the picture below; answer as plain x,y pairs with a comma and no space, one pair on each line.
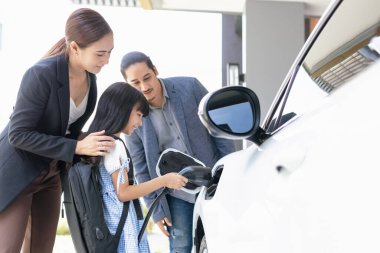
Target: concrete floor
157,241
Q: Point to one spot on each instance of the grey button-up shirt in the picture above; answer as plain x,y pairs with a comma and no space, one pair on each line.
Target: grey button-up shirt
167,130
166,126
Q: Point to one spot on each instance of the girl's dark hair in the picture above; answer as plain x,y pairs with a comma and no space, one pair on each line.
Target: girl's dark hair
132,58
115,106
114,109
84,26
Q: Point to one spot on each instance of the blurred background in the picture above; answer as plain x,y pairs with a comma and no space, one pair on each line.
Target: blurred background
179,43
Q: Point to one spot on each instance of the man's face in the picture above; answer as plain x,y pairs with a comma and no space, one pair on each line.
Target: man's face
140,76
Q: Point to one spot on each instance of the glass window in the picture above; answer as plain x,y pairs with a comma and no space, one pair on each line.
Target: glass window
236,118
347,45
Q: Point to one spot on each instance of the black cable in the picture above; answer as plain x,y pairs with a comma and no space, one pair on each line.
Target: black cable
154,204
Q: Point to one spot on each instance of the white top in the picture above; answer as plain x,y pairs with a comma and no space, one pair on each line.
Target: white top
117,160
77,111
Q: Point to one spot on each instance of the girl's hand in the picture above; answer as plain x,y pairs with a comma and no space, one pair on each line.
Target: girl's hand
174,181
95,144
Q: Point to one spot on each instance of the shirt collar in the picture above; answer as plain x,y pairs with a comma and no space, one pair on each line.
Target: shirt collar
164,91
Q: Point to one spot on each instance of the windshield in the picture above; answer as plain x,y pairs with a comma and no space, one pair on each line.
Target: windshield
347,45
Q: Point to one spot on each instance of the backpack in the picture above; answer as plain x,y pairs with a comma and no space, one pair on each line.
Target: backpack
84,209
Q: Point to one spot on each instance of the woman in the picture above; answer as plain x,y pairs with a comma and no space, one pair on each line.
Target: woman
128,106
56,97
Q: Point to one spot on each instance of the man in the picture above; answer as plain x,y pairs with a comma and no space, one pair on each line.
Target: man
173,122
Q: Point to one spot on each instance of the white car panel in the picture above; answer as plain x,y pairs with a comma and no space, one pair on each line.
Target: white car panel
323,189
311,182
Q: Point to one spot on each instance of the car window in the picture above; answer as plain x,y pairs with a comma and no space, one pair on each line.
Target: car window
347,45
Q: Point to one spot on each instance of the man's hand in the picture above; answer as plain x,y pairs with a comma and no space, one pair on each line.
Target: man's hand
162,224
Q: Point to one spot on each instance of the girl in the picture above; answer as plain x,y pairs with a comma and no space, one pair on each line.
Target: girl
120,110
57,95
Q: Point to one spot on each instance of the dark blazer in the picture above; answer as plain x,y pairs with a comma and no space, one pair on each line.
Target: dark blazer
35,134
185,94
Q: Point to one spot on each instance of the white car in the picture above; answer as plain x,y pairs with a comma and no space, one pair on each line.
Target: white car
310,181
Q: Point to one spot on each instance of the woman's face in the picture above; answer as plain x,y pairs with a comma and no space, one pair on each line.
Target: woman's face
96,55
134,122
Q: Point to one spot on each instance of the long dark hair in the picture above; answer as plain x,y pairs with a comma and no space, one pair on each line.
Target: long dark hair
115,106
132,58
114,110
84,26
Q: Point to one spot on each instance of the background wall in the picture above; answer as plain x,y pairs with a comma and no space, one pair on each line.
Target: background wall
273,34
192,47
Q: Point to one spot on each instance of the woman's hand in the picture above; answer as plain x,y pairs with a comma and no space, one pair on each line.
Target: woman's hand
174,181
95,144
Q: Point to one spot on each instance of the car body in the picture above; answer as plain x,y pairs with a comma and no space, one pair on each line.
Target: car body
310,180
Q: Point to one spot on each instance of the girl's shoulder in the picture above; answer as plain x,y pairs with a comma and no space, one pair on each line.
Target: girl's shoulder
116,158
119,146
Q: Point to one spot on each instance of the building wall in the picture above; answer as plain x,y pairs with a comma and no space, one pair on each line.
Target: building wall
273,34
231,43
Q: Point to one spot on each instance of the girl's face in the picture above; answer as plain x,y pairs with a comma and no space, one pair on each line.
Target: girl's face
96,55
135,121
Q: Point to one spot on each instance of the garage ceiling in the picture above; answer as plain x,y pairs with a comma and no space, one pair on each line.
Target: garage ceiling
312,7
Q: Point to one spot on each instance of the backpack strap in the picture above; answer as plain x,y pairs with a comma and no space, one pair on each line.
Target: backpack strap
131,181
123,218
124,213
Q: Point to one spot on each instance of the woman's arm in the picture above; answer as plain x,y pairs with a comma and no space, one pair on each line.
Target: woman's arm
33,129
30,129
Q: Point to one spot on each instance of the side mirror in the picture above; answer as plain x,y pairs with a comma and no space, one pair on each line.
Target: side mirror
232,112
